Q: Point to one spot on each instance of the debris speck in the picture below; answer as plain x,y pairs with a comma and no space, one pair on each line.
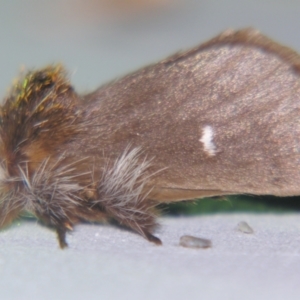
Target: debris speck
244,227
189,241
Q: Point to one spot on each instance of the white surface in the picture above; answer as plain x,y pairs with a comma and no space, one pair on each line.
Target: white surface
104,262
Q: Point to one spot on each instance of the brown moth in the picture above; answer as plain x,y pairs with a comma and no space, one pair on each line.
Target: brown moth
219,119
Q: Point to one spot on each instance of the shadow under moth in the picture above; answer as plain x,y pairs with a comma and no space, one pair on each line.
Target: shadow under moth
222,118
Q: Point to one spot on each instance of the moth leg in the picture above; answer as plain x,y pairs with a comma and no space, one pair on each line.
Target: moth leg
61,235
61,231
152,238
142,228
60,225
138,216
142,221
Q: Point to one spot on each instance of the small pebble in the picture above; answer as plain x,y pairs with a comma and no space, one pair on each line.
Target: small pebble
244,227
189,241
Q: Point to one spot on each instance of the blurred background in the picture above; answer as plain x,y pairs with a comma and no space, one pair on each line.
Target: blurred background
100,40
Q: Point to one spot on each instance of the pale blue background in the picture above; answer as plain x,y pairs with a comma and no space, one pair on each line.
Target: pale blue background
97,45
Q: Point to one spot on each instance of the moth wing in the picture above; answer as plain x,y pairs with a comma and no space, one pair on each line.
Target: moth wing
167,194
222,118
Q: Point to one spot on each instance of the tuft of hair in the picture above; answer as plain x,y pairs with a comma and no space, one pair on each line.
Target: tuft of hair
52,192
11,203
123,192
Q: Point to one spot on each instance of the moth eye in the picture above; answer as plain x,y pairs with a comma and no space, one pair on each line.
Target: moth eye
44,79
41,77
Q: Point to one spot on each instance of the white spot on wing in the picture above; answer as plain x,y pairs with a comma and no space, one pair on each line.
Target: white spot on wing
207,140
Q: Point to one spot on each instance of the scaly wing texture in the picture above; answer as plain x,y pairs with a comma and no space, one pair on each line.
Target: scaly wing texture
222,118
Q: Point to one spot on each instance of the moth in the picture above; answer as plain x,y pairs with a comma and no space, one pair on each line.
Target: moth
222,118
